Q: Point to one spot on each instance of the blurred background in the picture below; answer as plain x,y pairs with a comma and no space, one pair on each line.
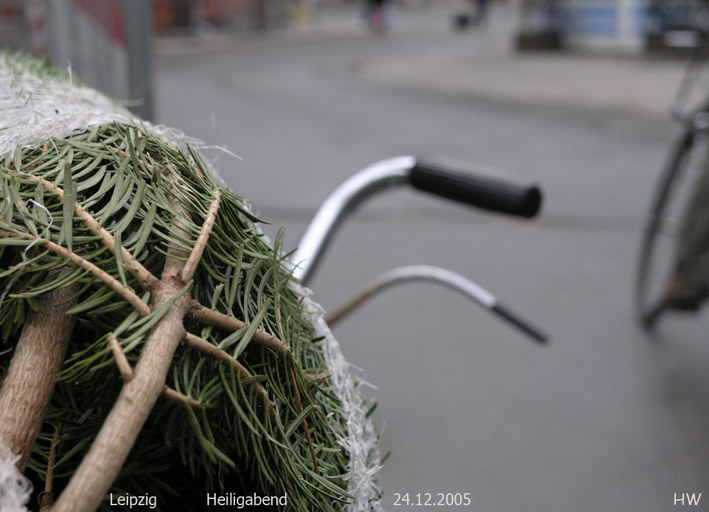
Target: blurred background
572,94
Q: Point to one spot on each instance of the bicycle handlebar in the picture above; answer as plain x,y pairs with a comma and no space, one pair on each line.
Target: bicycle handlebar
439,177
470,186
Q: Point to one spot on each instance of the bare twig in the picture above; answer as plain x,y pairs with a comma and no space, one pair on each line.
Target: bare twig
220,320
127,374
29,381
300,409
124,366
201,243
170,393
111,149
46,498
290,363
97,272
317,376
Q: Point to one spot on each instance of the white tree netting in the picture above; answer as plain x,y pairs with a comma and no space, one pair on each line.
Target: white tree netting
15,489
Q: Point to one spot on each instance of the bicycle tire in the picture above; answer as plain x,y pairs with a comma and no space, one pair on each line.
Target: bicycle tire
658,245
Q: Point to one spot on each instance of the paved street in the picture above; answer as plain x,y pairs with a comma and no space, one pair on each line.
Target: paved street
604,419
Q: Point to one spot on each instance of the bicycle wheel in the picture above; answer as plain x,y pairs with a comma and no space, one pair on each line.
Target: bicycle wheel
658,249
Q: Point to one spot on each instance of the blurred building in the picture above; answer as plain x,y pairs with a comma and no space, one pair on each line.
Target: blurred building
609,23
105,42
624,25
241,14
108,42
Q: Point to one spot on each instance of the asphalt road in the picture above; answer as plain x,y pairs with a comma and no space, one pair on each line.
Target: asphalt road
604,419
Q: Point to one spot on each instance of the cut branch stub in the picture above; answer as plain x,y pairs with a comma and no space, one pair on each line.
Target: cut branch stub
108,452
111,447
30,379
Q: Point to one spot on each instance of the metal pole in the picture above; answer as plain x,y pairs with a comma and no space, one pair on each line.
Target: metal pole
137,16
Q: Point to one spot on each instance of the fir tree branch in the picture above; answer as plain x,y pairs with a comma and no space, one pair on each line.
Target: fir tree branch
127,374
147,280
204,346
29,381
201,243
97,272
220,320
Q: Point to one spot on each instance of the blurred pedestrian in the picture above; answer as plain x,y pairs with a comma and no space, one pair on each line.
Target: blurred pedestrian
476,15
480,8
377,14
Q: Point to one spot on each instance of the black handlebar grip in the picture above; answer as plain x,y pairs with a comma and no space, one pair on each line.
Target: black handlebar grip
455,181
